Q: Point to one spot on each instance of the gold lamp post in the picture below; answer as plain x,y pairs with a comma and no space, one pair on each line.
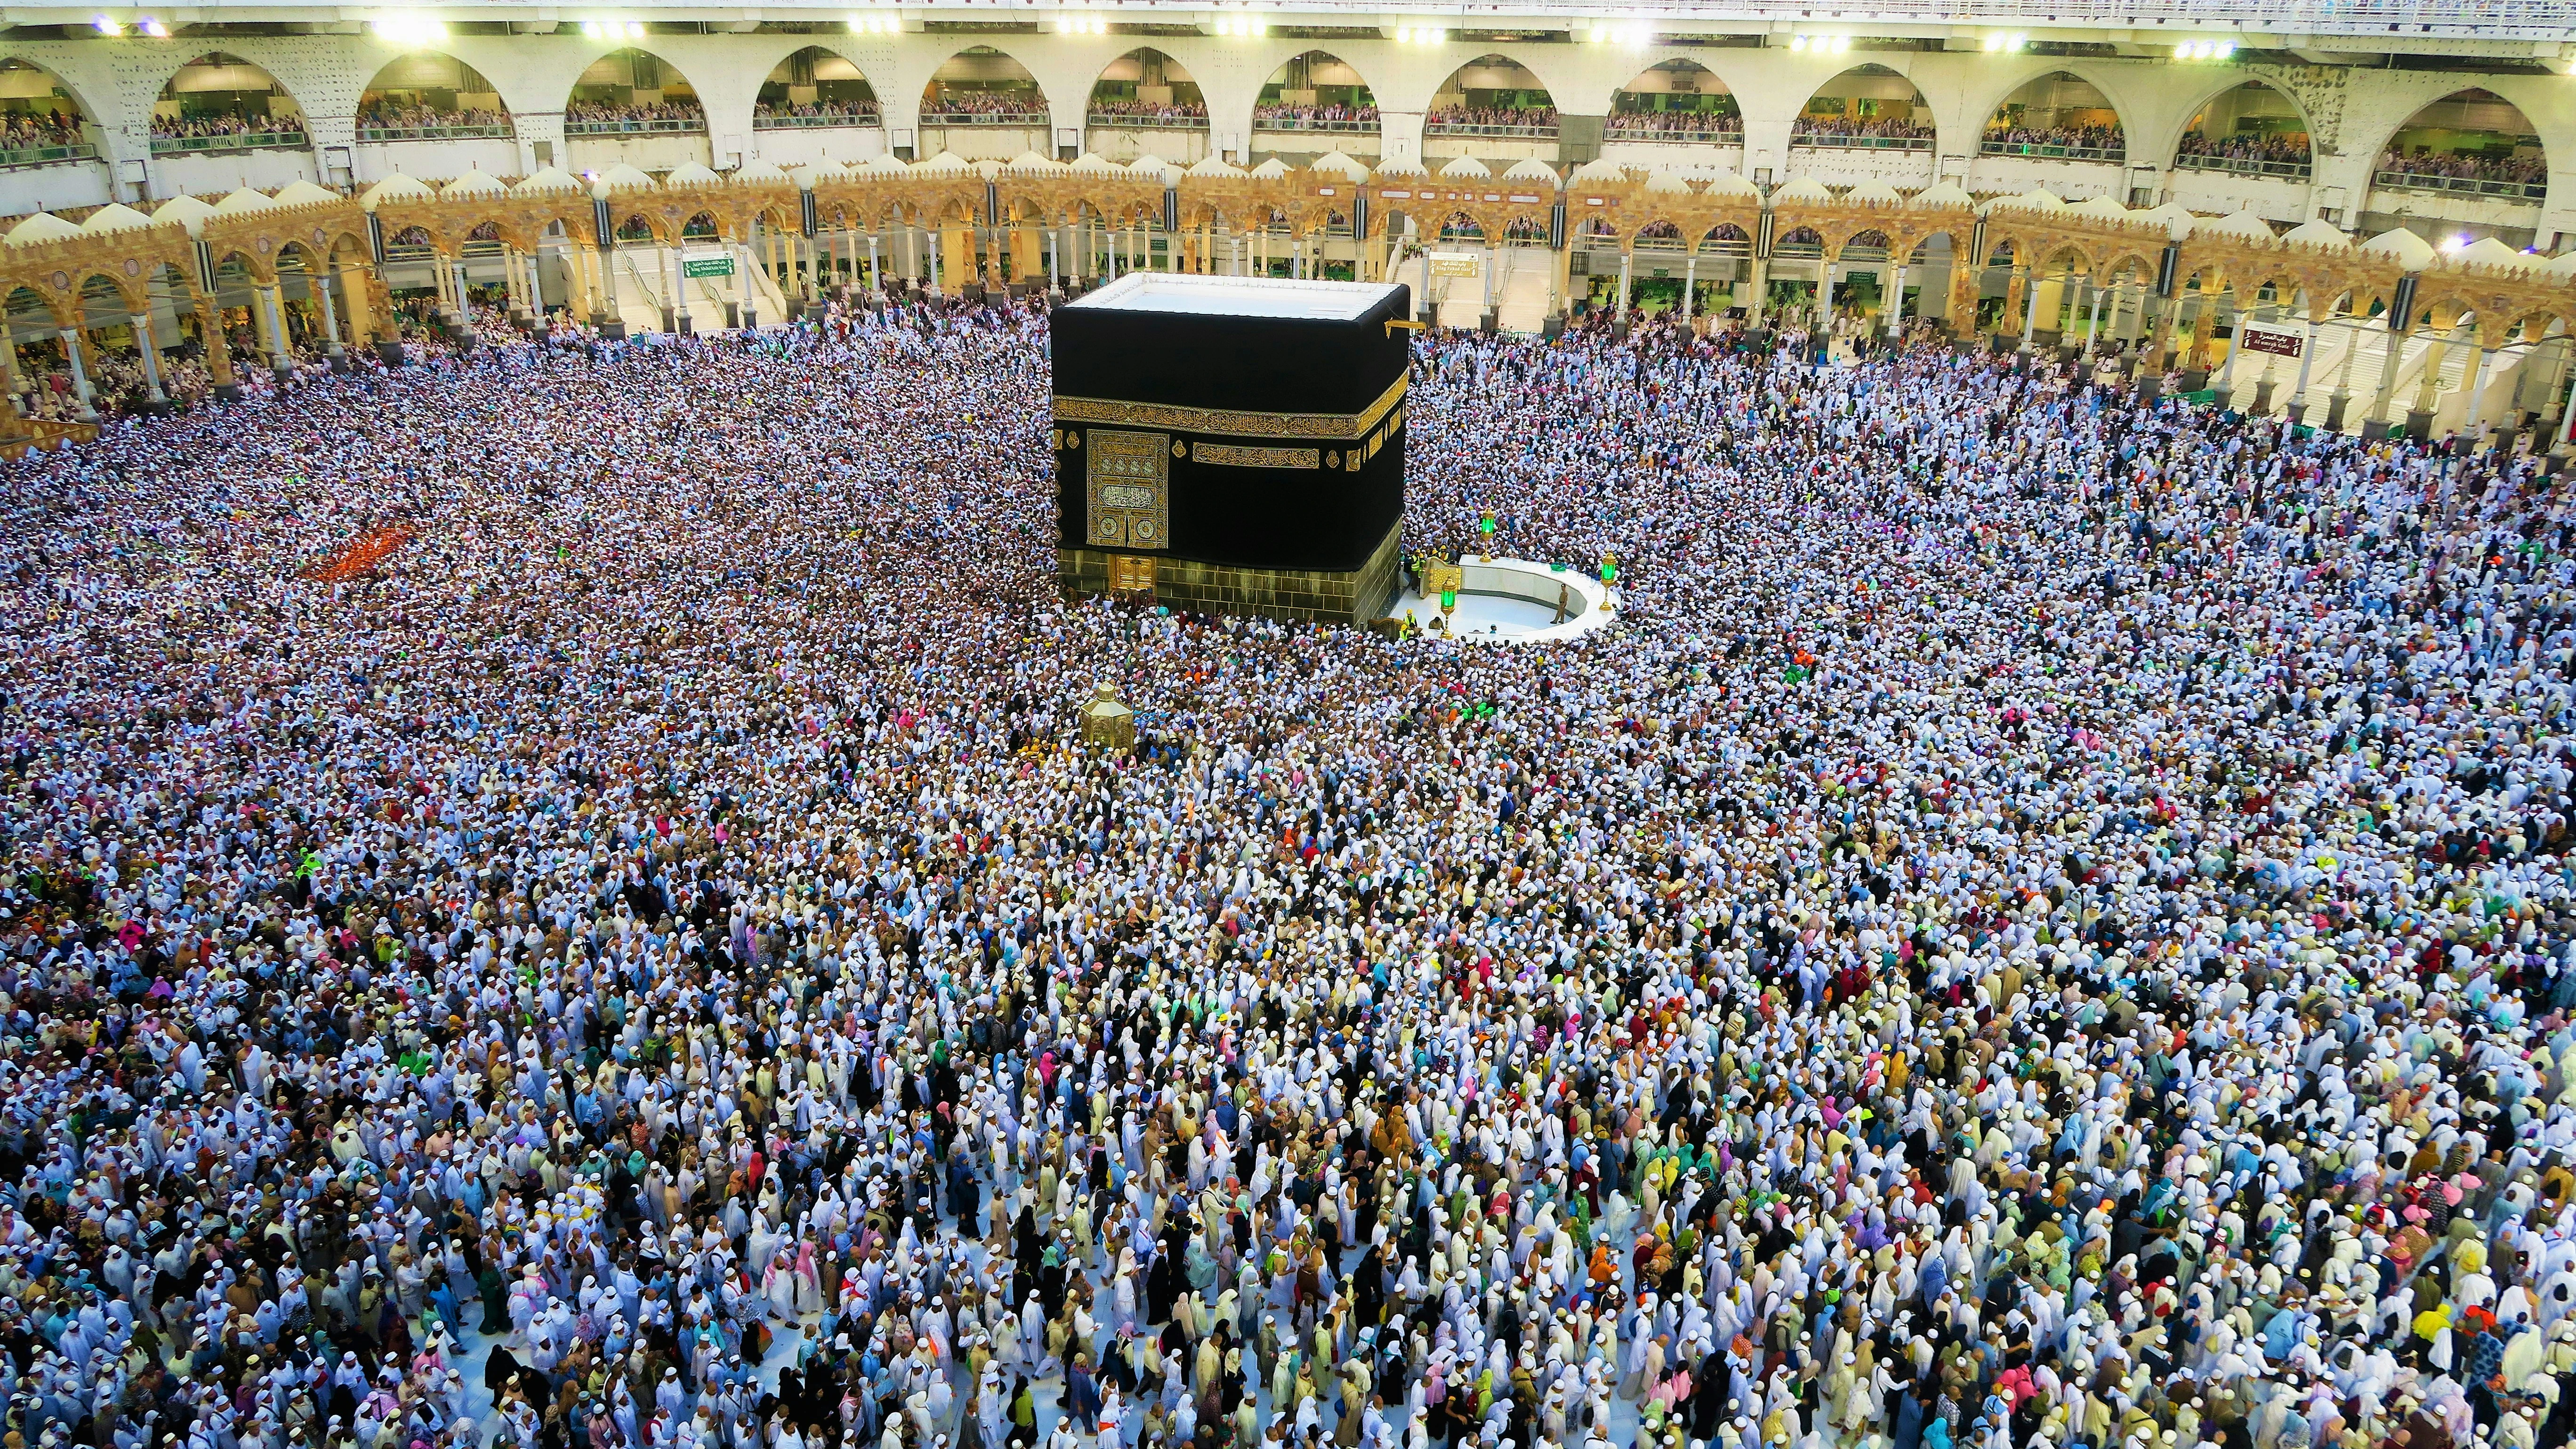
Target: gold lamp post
1106,722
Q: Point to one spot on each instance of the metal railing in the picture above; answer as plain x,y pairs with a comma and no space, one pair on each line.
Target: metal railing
478,132
815,123
239,141
1159,123
48,155
643,284
1300,123
2287,170
666,126
2466,19
1616,132
983,118
1835,142
2115,155
1469,128
2460,186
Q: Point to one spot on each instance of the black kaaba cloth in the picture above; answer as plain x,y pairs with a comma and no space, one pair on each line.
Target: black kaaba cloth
1242,422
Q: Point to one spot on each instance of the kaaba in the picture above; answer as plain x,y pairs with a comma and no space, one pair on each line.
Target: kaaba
1233,444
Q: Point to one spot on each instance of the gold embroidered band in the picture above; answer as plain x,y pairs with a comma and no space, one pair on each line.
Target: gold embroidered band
1229,423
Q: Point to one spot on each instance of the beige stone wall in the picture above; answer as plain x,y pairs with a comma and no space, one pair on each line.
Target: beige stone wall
1345,598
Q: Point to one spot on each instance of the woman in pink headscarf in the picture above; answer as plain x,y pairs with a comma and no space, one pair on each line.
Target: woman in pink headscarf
809,1280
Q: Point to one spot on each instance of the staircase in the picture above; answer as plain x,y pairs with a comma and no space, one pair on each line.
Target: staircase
639,300
2368,346
642,276
1461,300
1521,301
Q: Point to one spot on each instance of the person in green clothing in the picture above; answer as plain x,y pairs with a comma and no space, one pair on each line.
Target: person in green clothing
496,1298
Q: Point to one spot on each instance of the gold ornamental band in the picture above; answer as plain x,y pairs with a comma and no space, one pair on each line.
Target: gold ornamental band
1232,456
1227,422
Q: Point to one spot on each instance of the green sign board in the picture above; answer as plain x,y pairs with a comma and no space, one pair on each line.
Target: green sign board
706,267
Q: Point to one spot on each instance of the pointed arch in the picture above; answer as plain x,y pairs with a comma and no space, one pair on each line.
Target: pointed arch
2471,141
222,102
981,85
41,117
1677,100
429,94
632,90
1316,90
1865,107
1492,95
1145,87
815,87
2059,116
2251,126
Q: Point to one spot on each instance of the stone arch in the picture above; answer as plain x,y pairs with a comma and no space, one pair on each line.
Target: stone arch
638,227
24,300
406,92
1868,102
631,82
1678,99
1464,224
2198,116
2057,110
1724,239
818,83
214,94
981,79
257,267
1131,82
127,292
18,96
1022,207
2439,130
1334,92
1460,101
2132,259
1859,234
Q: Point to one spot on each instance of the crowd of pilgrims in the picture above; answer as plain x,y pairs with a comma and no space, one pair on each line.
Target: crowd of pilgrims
2285,148
1542,117
1680,120
1880,127
635,113
2073,138
393,116
179,127
27,130
2043,922
859,113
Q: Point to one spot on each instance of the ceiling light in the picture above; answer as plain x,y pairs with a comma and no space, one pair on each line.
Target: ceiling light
1797,42
108,25
159,31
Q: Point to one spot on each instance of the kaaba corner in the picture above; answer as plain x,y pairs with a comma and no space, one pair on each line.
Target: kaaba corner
1233,444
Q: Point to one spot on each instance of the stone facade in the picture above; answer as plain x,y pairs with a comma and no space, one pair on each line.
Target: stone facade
1356,597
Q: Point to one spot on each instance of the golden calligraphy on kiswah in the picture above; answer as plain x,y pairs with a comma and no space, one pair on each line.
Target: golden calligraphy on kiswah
1228,422
1233,456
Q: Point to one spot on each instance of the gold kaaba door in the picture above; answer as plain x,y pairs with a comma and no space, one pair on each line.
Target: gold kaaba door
1129,571
1130,482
